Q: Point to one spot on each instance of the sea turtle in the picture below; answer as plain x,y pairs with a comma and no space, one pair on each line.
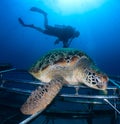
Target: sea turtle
60,67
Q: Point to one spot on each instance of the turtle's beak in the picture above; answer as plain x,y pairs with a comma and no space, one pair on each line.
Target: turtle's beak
102,82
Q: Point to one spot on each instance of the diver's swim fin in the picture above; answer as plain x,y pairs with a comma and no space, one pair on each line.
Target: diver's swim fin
21,21
35,9
42,96
25,25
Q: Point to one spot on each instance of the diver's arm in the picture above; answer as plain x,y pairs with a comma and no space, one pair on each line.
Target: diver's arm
57,41
70,40
29,25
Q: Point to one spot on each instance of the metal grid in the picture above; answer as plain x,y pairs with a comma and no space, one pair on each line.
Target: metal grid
112,99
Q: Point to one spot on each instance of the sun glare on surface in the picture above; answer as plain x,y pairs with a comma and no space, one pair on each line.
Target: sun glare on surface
73,6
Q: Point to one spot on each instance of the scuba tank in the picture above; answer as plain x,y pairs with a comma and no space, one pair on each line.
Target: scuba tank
60,26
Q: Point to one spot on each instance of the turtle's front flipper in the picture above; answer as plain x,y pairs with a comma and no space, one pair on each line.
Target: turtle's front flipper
42,96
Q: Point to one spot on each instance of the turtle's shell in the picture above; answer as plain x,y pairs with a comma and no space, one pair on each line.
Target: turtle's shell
64,57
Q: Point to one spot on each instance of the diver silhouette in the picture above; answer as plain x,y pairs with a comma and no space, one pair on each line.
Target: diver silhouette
63,33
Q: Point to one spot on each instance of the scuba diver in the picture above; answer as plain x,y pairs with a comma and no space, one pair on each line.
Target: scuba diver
63,33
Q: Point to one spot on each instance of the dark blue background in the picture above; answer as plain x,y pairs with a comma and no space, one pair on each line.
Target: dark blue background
100,33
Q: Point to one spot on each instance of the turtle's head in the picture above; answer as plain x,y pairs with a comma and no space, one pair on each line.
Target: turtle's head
90,75
94,78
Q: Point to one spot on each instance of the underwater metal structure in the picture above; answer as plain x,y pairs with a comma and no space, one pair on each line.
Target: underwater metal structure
88,104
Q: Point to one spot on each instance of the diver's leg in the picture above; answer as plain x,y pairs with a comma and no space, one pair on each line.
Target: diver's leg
46,21
35,9
30,25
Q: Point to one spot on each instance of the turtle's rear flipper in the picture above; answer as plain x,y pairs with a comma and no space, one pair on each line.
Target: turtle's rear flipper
42,96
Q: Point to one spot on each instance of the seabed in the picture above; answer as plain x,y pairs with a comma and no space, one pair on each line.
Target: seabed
88,107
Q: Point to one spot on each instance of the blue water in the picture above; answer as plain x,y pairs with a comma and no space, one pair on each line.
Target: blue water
99,28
